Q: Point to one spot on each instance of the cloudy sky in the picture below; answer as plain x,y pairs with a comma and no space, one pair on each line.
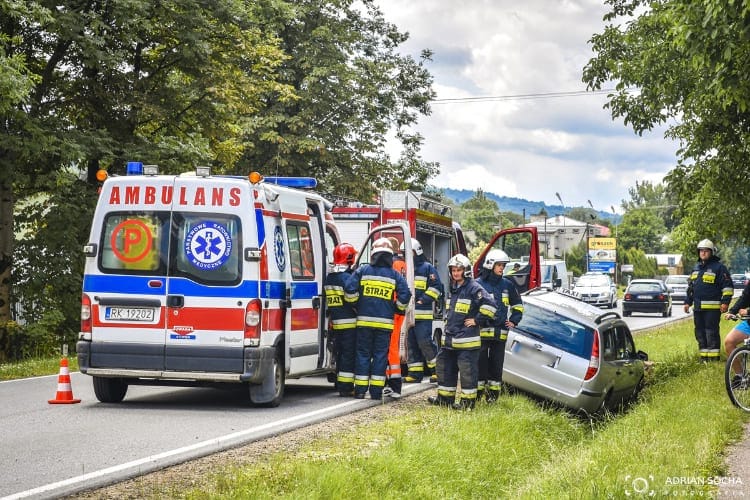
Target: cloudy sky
529,148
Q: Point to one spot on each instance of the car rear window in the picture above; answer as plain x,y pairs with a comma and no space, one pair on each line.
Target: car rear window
556,330
645,287
676,279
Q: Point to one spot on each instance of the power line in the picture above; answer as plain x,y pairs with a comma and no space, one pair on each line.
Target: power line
521,97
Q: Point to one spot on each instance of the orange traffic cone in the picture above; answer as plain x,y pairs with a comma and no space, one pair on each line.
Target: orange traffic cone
64,391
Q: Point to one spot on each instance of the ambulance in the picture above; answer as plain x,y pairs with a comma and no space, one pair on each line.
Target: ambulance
198,279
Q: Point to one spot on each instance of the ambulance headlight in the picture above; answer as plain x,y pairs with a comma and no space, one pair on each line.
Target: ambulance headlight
151,170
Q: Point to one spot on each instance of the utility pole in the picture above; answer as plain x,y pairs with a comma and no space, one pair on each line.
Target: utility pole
564,228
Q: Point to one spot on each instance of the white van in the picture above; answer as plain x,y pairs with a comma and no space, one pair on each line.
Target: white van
555,274
197,279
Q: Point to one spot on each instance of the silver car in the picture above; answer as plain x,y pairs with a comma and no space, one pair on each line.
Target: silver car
678,285
572,353
597,289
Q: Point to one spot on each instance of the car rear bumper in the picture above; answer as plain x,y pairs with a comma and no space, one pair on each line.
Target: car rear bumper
653,307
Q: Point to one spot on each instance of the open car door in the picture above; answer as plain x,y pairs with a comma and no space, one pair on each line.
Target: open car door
401,232
522,246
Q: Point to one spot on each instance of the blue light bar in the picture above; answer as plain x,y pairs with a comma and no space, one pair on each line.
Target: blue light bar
293,182
135,168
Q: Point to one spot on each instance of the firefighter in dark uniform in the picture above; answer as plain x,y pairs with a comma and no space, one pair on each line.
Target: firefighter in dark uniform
427,290
377,292
470,307
343,317
509,313
709,292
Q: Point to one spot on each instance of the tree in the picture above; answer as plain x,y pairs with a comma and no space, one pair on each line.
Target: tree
166,82
641,229
313,86
352,87
683,65
481,215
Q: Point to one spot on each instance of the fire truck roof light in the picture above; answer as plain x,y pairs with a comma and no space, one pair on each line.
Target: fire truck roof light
150,169
203,171
293,182
134,168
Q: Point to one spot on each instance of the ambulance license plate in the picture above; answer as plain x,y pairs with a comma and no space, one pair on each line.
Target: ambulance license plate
129,314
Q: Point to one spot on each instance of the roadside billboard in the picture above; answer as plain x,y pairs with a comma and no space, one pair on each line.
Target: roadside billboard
602,255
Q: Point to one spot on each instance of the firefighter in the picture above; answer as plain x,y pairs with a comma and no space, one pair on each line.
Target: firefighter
470,307
427,290
393,370
710,291
508,314
378,292
343,317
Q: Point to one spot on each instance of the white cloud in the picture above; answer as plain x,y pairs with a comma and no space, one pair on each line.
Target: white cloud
529,148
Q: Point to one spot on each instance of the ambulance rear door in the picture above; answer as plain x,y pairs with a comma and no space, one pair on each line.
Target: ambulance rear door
209,286
303,227
126,271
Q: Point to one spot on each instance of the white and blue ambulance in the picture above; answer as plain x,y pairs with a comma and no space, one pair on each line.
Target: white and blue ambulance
198,279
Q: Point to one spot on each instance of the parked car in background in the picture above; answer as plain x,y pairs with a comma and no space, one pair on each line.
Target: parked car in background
739,280
647,296
572,353
677,285
597,289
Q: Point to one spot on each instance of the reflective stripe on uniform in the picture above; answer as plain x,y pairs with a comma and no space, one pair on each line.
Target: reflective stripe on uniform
466,342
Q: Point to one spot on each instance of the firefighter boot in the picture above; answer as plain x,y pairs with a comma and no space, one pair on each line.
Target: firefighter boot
492,395
440,400
464,404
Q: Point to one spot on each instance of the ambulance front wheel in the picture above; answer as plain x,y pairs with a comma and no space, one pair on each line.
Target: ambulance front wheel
110,390
270,392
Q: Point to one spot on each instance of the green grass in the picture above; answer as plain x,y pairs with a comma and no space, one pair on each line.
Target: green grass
35,367
518,448
680,429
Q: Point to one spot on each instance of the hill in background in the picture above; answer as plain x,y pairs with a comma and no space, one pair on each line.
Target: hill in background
518,205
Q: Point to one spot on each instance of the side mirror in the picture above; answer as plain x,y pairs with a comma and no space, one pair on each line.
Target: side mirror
642,356
557,283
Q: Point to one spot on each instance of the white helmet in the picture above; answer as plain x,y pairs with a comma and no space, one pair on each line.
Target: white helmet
460,260
706,243
416,246
382,245
493,257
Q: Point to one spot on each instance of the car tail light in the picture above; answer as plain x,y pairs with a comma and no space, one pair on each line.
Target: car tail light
627,297
85,316
253,316
594,361
661,297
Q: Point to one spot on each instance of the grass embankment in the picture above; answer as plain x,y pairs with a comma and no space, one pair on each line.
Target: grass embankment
672,442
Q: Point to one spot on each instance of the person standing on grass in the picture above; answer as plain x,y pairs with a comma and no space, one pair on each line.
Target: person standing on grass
470,306
343,317
709,292
422,345
509,313
377,291
394,381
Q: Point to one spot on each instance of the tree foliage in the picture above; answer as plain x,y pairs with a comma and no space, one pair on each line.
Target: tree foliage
683,65
295,88
480,215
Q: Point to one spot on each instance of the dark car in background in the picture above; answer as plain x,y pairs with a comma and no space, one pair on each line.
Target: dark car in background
572,353
739,280
647,296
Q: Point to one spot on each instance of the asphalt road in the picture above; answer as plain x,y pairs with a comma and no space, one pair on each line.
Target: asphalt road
53,450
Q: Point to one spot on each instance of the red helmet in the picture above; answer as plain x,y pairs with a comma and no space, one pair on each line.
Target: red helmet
344,254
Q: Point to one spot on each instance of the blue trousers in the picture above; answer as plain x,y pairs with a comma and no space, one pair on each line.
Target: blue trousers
371,361
422,348
345,346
